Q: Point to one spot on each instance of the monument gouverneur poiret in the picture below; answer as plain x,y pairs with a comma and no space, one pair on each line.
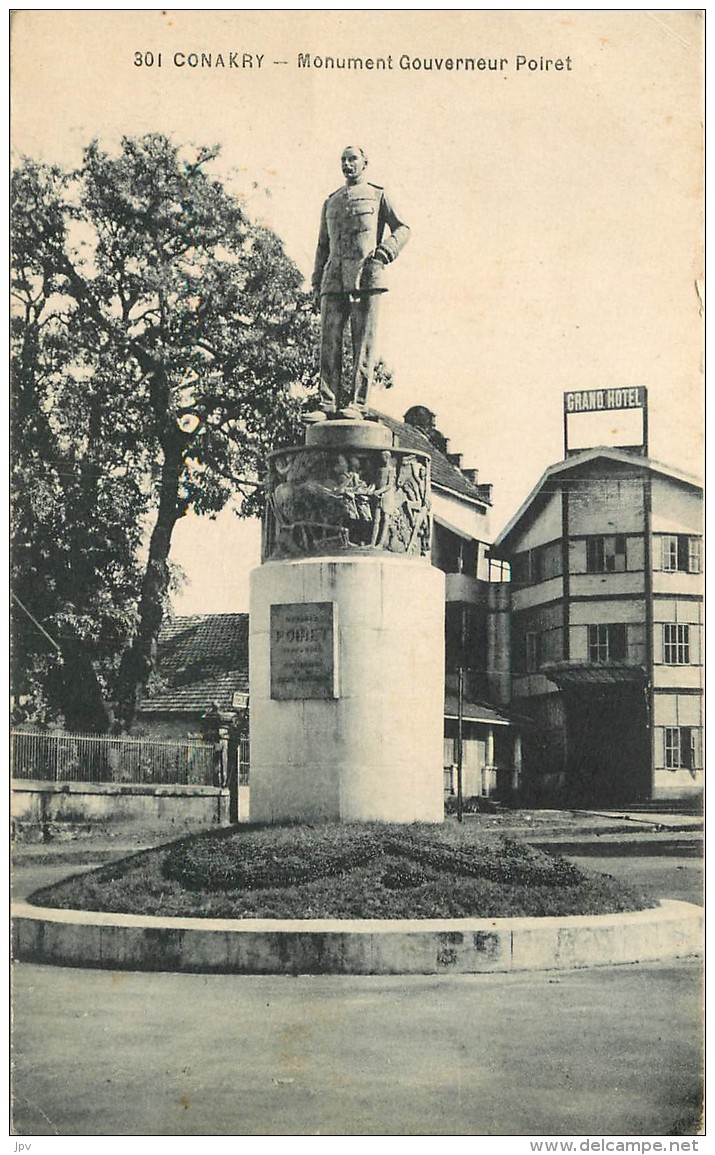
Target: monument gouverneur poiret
347,613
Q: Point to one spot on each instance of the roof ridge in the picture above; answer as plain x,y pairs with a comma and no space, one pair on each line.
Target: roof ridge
444,472
582,457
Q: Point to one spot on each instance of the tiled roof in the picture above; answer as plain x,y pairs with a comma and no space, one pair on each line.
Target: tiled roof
202,659
475,712
571,673
443,472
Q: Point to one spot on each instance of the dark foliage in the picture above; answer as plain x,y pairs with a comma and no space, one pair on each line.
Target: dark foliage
159,339
301,854
344,871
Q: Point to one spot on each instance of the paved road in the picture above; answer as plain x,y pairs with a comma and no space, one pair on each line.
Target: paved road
606,1051
663,866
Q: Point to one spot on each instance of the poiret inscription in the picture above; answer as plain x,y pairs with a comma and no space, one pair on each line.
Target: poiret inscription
303,651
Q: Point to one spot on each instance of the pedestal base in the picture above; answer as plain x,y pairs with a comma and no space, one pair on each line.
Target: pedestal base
374,752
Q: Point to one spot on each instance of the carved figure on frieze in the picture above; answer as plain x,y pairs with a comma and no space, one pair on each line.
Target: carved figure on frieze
343,485
321,497
292,470
340,484
414,489
361,489
307,506
356,494
409,530
386,503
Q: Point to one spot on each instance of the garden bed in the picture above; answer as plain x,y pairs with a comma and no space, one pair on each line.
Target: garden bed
349,871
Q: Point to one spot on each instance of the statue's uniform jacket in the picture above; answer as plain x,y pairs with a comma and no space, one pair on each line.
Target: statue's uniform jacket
352,225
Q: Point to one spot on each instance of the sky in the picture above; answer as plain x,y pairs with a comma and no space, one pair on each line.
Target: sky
556,213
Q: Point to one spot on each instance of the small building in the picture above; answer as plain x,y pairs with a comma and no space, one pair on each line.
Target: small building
203,663
606,624
202,692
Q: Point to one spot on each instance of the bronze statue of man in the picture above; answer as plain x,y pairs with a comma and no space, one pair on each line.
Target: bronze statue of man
353,252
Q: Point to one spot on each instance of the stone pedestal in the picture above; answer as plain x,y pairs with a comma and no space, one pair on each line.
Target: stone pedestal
347,636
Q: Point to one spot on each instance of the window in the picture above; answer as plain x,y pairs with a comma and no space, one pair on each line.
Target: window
607,643
672,747
682,748
499,571
520,571
680,552
606,554
452,554
595,562
552,560
676,644
533,651
670,553
537,565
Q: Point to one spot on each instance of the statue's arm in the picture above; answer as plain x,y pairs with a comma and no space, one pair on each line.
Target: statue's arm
389,248
322,252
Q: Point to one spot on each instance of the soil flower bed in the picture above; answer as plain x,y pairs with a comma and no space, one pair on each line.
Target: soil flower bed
344,871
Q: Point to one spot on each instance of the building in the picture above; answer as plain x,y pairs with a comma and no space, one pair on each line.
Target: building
476,618
204,659
606,623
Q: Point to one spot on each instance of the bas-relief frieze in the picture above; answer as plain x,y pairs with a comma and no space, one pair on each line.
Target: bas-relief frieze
342,500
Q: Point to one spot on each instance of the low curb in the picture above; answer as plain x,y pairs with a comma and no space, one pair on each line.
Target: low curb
354,946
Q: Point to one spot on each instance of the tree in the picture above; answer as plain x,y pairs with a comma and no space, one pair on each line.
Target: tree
158,343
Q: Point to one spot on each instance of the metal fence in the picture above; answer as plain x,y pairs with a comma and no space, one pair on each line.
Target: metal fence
98,758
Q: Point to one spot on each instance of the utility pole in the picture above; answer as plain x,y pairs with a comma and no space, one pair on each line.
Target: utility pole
460,710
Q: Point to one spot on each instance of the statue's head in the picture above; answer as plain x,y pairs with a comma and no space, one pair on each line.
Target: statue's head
353,163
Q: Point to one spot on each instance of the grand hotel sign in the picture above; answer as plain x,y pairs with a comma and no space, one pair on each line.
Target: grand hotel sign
598,417
593,400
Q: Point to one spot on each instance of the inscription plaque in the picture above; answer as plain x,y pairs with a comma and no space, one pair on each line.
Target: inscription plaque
303,651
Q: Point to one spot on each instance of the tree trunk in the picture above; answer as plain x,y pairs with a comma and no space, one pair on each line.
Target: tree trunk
78,691
139,661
